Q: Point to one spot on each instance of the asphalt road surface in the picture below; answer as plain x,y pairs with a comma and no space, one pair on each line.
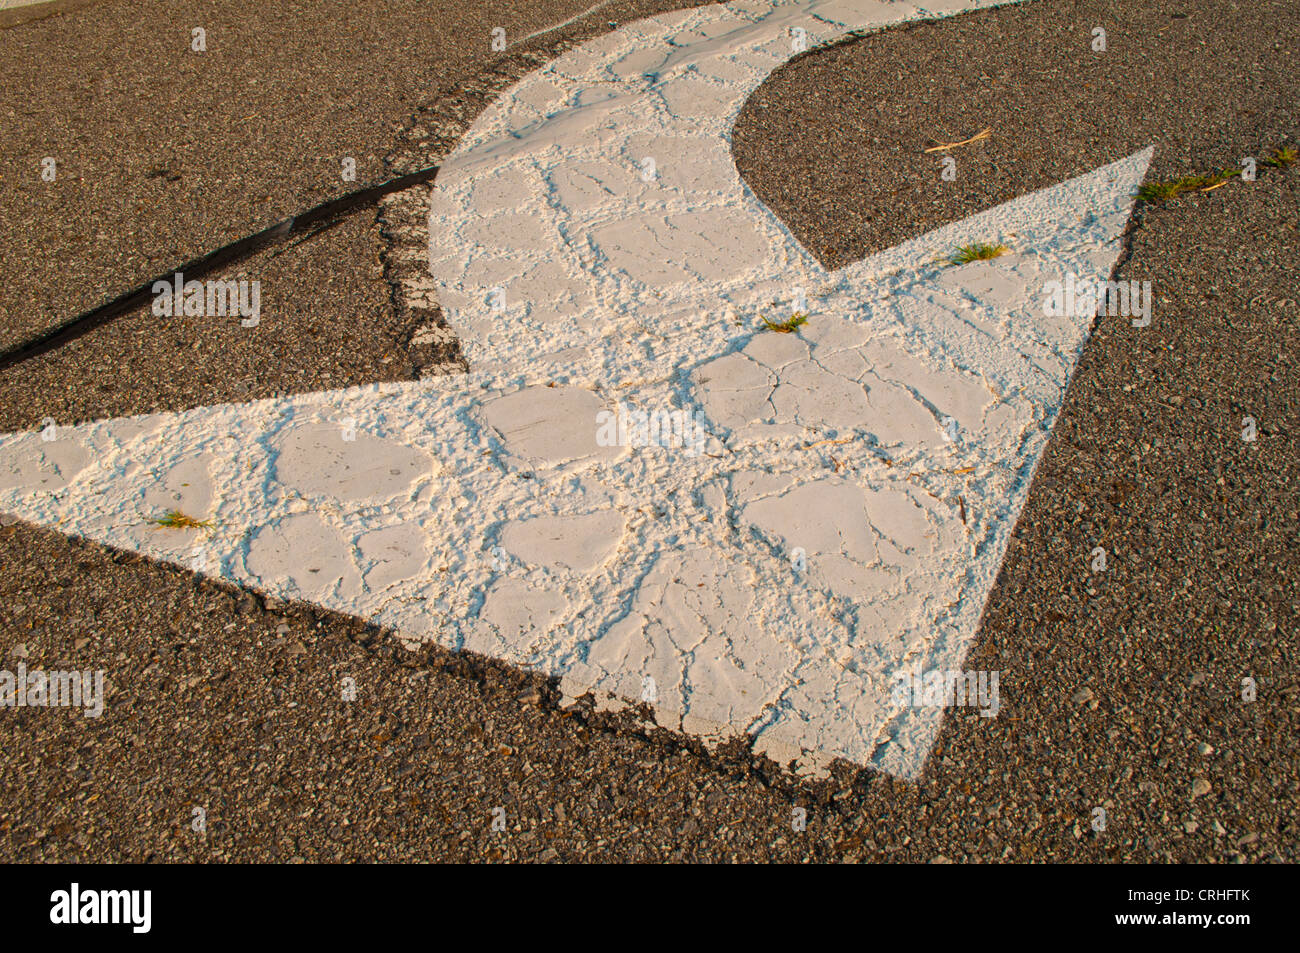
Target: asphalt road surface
1122,689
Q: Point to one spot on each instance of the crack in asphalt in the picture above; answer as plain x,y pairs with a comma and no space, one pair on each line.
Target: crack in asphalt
306,225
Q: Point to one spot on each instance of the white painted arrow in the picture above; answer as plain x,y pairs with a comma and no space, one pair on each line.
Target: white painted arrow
860,478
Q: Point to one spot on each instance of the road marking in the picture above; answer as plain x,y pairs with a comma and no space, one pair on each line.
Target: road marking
559,26
841,518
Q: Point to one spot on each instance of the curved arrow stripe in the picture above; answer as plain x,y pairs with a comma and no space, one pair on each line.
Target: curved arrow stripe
842,519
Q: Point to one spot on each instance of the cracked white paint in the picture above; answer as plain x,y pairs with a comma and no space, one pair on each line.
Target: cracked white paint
483,513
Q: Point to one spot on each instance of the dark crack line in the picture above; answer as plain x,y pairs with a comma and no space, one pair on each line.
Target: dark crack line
307,225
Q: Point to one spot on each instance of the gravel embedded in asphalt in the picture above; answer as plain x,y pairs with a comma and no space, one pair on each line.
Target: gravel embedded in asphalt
221,702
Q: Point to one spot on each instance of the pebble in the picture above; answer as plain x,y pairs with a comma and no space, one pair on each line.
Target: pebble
19,651
1081,696
1200,786
1204,748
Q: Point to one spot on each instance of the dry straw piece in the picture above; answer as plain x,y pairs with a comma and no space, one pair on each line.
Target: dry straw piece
978,137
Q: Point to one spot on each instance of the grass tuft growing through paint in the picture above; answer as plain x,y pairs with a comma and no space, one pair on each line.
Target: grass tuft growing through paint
788,325
979,251
175,519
